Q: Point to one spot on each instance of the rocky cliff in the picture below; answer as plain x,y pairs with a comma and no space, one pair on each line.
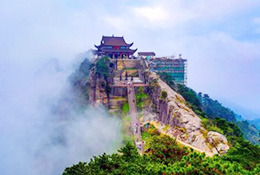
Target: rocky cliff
176,119
99,96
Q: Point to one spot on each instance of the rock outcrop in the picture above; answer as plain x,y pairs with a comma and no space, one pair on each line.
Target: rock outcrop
98,95
218,141
184,124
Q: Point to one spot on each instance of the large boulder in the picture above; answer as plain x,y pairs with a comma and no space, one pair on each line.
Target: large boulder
218,141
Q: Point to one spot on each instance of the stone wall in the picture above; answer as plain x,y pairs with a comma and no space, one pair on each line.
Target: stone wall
119,91
128,63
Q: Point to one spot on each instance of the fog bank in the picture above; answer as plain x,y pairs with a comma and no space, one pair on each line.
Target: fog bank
43,128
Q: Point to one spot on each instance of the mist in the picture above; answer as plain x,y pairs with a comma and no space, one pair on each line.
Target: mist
44,126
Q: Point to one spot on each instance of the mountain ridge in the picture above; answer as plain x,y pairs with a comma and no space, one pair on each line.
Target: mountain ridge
164,156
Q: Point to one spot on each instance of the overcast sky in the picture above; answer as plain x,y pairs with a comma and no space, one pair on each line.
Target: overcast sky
220,38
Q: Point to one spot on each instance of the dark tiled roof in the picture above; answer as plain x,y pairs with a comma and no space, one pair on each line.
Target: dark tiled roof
114,41
146,53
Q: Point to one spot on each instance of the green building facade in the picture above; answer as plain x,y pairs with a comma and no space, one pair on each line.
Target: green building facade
176,68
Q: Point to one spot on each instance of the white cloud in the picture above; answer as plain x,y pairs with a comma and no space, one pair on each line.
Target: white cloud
216,9
152,14
116,22
256,21
167,14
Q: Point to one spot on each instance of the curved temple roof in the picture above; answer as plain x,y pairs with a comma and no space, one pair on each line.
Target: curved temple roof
113,41
114,45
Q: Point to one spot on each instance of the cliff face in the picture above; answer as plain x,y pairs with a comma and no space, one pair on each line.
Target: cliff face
98,95
177,119
97,91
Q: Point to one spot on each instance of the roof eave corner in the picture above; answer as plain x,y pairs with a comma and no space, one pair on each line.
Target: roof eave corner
130,45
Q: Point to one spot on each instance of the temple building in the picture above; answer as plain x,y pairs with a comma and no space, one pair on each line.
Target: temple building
123,63
114,47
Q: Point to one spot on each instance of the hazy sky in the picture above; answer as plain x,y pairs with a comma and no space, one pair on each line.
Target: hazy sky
220,38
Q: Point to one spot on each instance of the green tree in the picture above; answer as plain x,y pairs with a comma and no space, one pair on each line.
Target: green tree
244,153
102,67
102,71
80,169
165,149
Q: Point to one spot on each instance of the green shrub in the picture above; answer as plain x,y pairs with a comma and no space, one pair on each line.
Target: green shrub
102,69
211,126
164,95
125,108
141,98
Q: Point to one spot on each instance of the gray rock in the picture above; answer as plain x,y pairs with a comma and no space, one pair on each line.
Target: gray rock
174,112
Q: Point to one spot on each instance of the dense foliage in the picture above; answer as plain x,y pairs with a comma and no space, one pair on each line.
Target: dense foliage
244,153
171,159
214,109
102,72
102,68
256,122
142,98
161,148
